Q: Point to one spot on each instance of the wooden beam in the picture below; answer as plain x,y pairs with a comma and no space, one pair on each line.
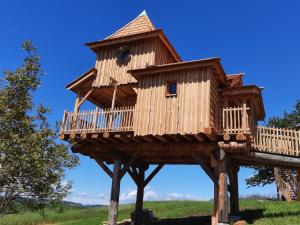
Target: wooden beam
129,163
199,137
133,176
104,167
135,139
85,97
207,169
148,138
210,133
161,138
188,137
266,158
121,137
176,137
153,173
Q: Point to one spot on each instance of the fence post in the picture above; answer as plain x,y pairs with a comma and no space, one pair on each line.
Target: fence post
244,118
63,122
95,119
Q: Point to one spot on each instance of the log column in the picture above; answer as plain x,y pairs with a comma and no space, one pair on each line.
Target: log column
115,193
223,192
298,184
214,218
140,195
234,192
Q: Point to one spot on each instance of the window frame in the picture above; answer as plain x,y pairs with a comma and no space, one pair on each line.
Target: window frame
168,88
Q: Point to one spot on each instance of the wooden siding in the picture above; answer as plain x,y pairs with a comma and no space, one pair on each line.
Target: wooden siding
187,113
143,53
162,54
215,105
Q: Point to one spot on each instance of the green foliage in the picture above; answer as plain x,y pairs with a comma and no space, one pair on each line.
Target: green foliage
32,162
264,174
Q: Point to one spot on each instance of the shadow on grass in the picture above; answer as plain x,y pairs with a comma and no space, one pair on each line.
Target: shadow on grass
250,215
193,220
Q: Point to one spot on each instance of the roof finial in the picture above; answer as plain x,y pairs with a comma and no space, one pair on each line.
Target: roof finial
144,13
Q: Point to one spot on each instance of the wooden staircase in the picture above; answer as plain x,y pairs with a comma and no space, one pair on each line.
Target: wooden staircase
287,184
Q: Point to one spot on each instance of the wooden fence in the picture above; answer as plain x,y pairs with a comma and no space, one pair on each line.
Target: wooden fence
277,140
99,120
236,120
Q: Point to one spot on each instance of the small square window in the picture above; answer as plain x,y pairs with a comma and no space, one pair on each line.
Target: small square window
171,88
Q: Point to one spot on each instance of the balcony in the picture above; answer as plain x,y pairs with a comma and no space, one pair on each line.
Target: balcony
237,120
99,120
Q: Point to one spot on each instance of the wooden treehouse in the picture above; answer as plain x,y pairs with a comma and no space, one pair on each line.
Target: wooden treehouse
152,108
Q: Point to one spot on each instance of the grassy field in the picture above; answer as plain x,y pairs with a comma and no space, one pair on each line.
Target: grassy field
258,212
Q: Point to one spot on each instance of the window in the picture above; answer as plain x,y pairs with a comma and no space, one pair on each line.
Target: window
171,88
123,55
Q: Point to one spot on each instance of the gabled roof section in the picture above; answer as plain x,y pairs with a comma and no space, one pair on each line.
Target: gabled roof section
235,80
140,24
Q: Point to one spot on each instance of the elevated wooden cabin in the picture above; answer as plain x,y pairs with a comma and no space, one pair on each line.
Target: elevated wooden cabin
153,108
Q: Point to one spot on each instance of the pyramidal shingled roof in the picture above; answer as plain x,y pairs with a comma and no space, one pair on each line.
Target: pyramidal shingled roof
140,24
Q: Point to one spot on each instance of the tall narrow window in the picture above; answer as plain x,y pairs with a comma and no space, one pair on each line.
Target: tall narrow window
171,88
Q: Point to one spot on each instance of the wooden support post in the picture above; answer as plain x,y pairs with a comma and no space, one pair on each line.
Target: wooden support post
234,192
223,192
76,106
76,110
139,196
113,103
138,176
115,193
214,217
298,184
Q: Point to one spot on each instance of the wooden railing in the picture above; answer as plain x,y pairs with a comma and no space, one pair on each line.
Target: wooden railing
278,141
99,120
236,120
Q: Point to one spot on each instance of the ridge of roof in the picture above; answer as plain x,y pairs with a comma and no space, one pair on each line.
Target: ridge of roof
140,24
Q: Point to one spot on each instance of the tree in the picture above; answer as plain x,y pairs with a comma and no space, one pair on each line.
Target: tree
264,174
32,162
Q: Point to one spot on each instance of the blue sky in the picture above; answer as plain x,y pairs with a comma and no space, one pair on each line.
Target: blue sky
259,38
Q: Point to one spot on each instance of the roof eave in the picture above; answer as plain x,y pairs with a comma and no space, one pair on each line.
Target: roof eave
177,66
82,78
94,46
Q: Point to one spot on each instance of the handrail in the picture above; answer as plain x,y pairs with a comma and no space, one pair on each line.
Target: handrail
99,120
277,140
236,120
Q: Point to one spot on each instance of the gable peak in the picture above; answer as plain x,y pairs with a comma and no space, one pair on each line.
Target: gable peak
140,24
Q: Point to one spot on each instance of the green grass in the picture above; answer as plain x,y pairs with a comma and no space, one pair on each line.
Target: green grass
258,212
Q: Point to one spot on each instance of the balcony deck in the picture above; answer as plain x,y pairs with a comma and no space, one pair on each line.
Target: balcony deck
99,121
